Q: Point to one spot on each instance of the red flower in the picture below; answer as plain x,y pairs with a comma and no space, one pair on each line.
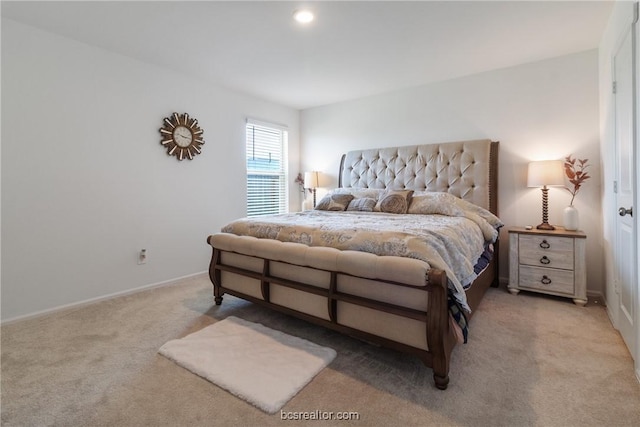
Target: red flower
300,181
577,174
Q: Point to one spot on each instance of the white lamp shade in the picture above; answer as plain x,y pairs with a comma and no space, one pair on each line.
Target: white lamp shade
545,172
311,179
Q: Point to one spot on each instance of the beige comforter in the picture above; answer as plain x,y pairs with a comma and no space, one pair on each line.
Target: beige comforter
451,243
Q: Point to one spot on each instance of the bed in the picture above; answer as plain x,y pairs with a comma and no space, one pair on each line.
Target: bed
402,291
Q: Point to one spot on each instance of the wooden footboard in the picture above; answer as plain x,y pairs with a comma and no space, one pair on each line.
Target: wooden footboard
405,317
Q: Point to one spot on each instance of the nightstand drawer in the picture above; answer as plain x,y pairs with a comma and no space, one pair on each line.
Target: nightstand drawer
546,279
546,251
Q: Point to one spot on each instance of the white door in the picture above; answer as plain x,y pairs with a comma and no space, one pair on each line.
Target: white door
625,257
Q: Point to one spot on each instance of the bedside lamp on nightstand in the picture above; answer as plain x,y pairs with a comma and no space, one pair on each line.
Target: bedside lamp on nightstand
311,182
541,174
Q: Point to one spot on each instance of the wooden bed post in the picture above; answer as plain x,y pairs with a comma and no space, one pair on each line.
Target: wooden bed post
438,333
493,205
214,274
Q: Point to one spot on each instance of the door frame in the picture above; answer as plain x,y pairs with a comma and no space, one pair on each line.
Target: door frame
635,29
613,307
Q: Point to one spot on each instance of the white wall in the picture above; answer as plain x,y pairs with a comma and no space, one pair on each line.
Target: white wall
542,110
86,183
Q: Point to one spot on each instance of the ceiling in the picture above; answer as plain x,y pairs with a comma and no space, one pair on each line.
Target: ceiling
351,50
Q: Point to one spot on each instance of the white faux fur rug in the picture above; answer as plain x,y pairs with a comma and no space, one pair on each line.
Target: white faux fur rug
263,366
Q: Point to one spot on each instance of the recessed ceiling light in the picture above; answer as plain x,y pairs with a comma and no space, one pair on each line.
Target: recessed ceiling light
303,16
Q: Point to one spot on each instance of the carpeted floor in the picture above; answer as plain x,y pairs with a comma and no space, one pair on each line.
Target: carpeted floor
531,361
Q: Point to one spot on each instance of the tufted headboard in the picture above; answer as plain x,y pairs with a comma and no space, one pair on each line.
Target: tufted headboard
466,169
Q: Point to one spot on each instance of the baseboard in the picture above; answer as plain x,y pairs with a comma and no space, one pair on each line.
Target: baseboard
610,315
597,296
83,303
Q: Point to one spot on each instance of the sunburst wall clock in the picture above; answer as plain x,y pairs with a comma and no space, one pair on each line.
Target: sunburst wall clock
182,136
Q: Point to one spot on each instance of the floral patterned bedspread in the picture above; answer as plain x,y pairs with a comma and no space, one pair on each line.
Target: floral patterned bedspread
452,243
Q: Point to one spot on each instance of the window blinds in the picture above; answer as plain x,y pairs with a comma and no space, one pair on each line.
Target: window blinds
266,169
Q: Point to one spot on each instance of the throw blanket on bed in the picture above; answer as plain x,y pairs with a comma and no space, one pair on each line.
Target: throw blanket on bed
451,243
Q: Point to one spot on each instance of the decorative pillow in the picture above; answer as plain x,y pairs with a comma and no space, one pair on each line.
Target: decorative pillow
334,202
365,204
432,203
448,204
394,201
371,193
358,193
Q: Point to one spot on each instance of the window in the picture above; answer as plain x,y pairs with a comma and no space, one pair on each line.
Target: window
266,169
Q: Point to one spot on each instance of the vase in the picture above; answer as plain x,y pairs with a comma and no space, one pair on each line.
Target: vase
570,218
307,205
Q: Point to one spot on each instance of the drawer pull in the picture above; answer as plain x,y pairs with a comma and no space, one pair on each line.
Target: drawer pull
545,260
545,245
545,280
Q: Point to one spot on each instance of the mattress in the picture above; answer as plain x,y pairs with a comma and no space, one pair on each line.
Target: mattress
443,231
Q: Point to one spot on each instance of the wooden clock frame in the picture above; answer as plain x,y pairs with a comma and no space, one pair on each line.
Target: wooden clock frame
181,136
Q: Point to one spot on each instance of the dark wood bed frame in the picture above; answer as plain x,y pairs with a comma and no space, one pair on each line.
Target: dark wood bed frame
440,338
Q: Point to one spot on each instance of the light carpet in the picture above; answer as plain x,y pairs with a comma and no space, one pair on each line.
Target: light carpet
263,366
531,361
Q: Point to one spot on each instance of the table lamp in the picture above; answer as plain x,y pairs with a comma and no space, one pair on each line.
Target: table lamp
541,174
311,182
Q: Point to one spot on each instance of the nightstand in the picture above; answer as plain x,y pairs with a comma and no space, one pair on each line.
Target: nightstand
548,261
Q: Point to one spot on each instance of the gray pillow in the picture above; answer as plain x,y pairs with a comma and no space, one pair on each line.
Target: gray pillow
364,204
394,201
334,202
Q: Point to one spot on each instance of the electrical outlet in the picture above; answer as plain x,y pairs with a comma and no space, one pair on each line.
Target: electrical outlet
142,256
